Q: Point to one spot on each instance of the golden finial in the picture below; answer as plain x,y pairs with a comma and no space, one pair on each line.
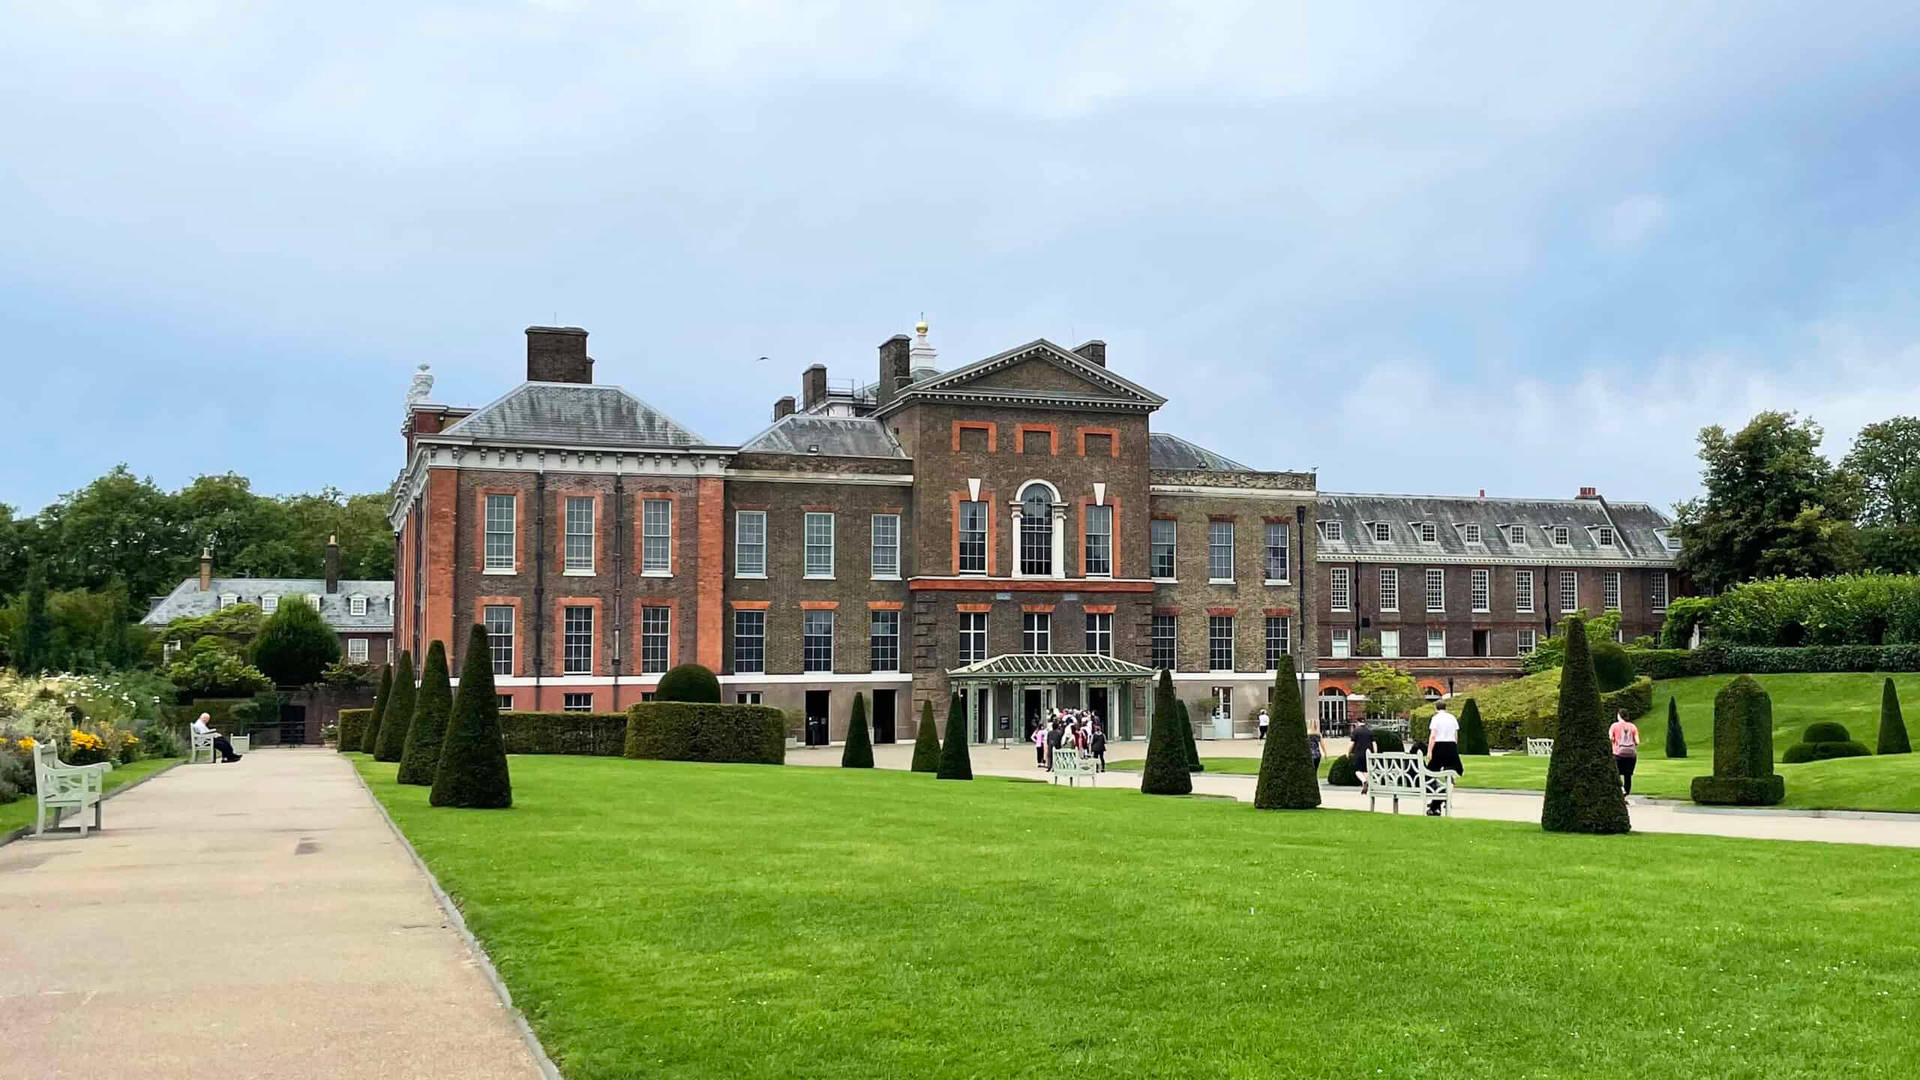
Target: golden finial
921,326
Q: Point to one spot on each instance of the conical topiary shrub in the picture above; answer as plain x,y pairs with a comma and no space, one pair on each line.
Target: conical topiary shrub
1893,727
431,708
1287,777
1583,783
361,736
1676,737
1166,771
1473,730
473,758
399,713
955,763
857,751
1192,750
926,742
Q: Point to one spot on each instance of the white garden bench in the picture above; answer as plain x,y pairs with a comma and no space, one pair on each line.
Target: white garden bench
1406,776
196,743
1072,764
1539,747
65,787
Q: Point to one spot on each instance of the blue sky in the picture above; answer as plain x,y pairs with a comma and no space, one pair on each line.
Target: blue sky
1524,251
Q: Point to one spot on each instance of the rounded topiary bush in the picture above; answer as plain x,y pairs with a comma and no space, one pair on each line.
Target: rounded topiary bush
1826,731
1800,753
1612,668
1341,774
1389,742
688,682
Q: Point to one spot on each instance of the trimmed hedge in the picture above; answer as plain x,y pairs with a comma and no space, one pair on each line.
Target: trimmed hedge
472,772
1800,753
1389,742
1186,725
926,742
1166,771
577,733
956,763
1715,658
1826,731
1583,785
1473,731
352,723
1611,666
688,682
706,731
390,742
857,751
1846,609
1341,774
432,709
1287,780
1742,750
1635,699
1893,727
1676,736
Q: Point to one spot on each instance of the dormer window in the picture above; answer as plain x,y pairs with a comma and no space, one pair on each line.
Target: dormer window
1470,532
1382,532
1517,535
269,603
313,601
228,599
1603,536
1332,530
1667,539
356,605
1562,536
1428,532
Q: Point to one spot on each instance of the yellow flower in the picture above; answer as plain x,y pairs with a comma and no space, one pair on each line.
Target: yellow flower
27,743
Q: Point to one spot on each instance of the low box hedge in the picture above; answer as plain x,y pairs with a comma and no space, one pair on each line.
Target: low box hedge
353,724
581,733
704,731
1714,658
1800,753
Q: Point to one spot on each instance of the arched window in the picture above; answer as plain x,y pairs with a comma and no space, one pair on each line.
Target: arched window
1333,712
1431,693
1036,530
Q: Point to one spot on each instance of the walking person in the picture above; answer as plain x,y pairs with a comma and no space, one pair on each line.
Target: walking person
1039,736
1263,725
1099,743
1625,737
1443,748
1362,737
1054,737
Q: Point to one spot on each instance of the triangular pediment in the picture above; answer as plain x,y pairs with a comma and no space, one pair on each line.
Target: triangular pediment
1037,373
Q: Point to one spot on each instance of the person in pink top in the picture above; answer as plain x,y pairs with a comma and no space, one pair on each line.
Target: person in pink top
1625,738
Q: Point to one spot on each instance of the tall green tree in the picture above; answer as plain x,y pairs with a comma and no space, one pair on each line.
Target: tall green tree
1676,735
36,635
1288,780
120,526
955,762
1773,505
857,751
1893,726
295,645
1583,784
398,715
432,709
1886,459
926,742
473,757
1166,771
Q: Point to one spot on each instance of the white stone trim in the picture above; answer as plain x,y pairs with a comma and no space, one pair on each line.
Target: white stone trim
752,678
1472,559
778,477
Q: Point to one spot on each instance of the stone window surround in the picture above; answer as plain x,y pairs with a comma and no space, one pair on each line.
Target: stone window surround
1112,434
672,604
1021,431
992,429
522,529
1113,539
480,606
639,532
986,496
1059,514
560,497
596,660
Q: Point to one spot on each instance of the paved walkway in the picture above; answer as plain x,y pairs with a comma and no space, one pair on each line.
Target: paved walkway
1017,761
256,920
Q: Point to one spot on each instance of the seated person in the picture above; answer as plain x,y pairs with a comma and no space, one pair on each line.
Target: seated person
220,742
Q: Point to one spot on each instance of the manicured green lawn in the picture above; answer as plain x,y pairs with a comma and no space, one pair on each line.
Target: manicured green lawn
20,812
678,920
1798,700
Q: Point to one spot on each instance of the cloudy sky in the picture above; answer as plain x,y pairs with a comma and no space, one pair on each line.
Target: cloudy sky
1525,251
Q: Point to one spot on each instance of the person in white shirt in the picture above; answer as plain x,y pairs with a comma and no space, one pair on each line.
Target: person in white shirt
1264,721
220,743
1443,747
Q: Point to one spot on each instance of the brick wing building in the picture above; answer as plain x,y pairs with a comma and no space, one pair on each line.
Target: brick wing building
1011,529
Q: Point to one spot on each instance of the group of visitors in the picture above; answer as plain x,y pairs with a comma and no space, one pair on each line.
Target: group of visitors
1075,729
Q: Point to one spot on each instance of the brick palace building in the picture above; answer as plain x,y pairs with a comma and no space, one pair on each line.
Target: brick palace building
1012,529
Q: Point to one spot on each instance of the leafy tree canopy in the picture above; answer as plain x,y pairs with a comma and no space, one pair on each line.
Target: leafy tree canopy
1886,459
1389,691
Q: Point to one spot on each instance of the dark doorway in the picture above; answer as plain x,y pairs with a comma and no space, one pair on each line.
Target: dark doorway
293,725
817,728
1097,703
883,715
1030,707
983,716
1482,643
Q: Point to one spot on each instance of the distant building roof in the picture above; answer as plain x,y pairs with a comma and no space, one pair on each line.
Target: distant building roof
1632,524
1173,452
188,599
574,414
832,436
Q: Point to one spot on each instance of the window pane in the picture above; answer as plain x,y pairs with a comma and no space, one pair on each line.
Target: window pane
499,620
499,543
1610,591
1036,532
973,538
886,545
973,636
884,641
1220,642
357,650
816,641
655,623
1436,590
819,542
1279,539
749,641
1220,550
1482,590
576,702
1163,629
750,542
656,536
1526,642
1036,632
1436,643
1279,639
1342,644
1389,589
1100,633
577,646
579,532
1099,540
1163,530
1569,591
1657,591
1523,590
1337,588
1389,644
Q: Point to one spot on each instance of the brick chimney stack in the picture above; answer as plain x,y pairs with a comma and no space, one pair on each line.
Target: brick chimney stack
783,407
1589,493
333,565
896,366
558,354
206,569
1093,352
813,386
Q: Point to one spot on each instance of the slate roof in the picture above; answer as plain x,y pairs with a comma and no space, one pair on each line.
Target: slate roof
574,414
1633,525
1174,452
831,436
187,599
1104,390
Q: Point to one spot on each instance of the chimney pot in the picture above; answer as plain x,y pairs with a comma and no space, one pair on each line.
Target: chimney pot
558,354
1093,352
1589,493
206,569
783,407
813,386
896,366
332,565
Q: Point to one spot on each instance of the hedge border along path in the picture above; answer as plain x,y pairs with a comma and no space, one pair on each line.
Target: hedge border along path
706,731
